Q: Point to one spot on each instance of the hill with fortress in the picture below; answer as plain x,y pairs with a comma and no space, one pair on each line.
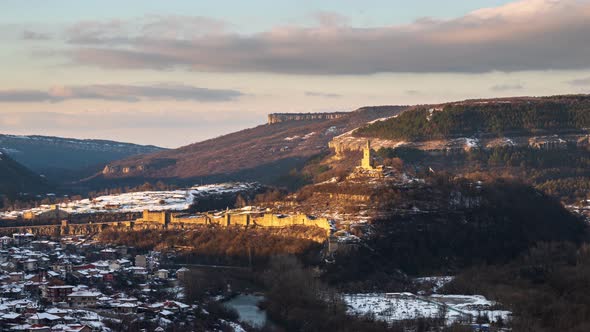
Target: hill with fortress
263,153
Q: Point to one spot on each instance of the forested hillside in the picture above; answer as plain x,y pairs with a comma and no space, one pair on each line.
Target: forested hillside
66,158
15,178
517,116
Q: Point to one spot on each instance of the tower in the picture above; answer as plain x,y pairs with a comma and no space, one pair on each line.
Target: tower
367,162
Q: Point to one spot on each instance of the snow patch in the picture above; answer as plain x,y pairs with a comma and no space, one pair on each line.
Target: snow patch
173,200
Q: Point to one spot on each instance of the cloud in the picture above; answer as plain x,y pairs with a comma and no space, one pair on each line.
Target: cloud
122,32
580,82
507,87
519,36
119,92
32,35
322,94
23,96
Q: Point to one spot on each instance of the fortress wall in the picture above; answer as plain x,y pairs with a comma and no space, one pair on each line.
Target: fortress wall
160,217
178,221
183,219
273,220
238,219
65,229
350,197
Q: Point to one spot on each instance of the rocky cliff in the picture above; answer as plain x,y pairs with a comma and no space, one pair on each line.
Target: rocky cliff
283,117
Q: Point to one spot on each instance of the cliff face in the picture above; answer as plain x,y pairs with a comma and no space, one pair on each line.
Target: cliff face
349,142
283,117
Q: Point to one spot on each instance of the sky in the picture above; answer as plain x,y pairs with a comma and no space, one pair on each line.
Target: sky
171,73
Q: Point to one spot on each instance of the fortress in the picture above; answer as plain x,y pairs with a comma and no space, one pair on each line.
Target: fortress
284,117
246,219
177,220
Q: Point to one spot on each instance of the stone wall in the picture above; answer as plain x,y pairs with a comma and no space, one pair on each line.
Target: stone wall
179,221
159,217
174,220
65,229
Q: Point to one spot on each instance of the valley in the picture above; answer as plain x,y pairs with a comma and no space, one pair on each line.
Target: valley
369,219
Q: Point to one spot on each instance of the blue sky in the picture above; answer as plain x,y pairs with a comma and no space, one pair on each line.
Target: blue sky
138,70
252,14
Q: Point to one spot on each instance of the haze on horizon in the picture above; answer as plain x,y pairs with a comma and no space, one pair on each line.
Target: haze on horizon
176,72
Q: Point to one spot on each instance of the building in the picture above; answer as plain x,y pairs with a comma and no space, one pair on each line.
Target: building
547,143
141,261
53,214
31,264
367,162
5,241
182,273
16,276
56,294
21,239
83,299
161,274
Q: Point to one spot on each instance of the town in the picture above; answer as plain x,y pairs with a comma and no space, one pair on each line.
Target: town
75,285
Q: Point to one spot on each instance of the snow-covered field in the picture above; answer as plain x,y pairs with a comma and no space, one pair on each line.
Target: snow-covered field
139,201
401,306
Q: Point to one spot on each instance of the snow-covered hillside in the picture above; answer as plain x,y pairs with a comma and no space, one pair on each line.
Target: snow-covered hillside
139,201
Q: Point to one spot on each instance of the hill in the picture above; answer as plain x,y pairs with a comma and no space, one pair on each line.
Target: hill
15,178
261,153
526,116
445,225
66,158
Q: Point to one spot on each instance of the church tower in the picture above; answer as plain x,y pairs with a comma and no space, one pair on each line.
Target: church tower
367,162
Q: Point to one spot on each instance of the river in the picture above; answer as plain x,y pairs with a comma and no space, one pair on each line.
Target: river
247,308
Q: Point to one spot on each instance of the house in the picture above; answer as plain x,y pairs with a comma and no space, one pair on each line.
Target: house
22,239
17,276
182,273
161,274
57,312
71,328
5,241
141,261
108,254
11,318
44,318
125,308
83,299
30,264
55,294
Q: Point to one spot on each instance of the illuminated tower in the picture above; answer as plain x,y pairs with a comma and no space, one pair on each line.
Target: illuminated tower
367,162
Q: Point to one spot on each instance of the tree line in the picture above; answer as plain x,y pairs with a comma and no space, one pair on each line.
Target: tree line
496,118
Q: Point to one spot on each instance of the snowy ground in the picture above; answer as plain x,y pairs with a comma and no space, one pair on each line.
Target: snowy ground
435,283
400,306
139,201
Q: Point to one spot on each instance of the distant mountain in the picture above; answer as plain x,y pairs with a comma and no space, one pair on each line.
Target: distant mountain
259,153
60,158
15,178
